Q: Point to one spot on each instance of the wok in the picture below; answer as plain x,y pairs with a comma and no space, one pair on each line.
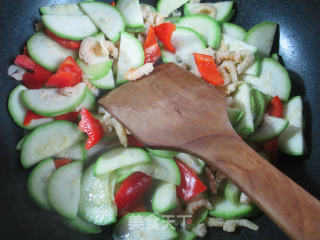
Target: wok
298,44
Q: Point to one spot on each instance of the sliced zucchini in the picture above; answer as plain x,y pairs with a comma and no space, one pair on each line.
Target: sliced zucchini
235,115
292,141
274,79
106,17
271,127
95,71
120,157
164,198
162,153
167,56
52,102
261,36
131,13
89,102
70,27
48,140
254,69
79,225
234,44
64,189
19,144
172,19
168,6
193,162
131,55
96,198
64,9
76,152
206,26
18,111
234,31
232,193
38,181
275,56
148,7
106,82
260,107
223,208
46,52
126,230
135,30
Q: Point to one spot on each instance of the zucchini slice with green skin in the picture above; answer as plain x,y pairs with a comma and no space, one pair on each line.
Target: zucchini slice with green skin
243,101
38,183
81,226
193,162
168,6
292,141
260,107
19,144
106,82
232,193
234,44
131,13
48,57
206,26
18,111
135,30
118,158
96,198
261,36
95,71
223,208
131,55
76,152
89,102
48,140
64,189
65,9
164,169
162,153
271,127
126,230
234,31
106,17
164,198
186,235
52,102
275,56
235,115
70,27
274,79
254,69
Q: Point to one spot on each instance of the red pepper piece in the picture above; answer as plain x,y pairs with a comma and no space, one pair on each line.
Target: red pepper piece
91,126
131,190
208,69
138,207
70,65
61,162
134,142
71,44
25,62
275,108
63,79
190,184
113,3
164,32
71,116
36,79
31,116
151,47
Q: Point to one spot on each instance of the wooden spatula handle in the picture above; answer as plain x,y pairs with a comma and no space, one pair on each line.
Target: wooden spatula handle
293,209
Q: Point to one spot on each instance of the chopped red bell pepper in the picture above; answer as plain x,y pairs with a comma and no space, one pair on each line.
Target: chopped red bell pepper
132,190
138,207
71,116
208,69
151,47
164,32
91,126
63,79
275,108
36,79
25,62
190,184
134,142
70,65
61,162
113,3
71,44
31,116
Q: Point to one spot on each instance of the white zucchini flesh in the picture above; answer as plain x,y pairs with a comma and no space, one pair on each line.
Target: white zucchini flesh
64,189
48,140
271,127
193,162
46,52
76,152
125,230
79,225
70,27
164,198
106,17
243,101
131,13
52,102
292,141
89,102
274,79
96,198
261,36
118,158
38,181
234,44
254,69
95,71
206,26
18,111
234,31
106,82
168,6
64,9
131,55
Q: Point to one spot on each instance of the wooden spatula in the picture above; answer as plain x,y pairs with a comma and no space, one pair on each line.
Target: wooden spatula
174,109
